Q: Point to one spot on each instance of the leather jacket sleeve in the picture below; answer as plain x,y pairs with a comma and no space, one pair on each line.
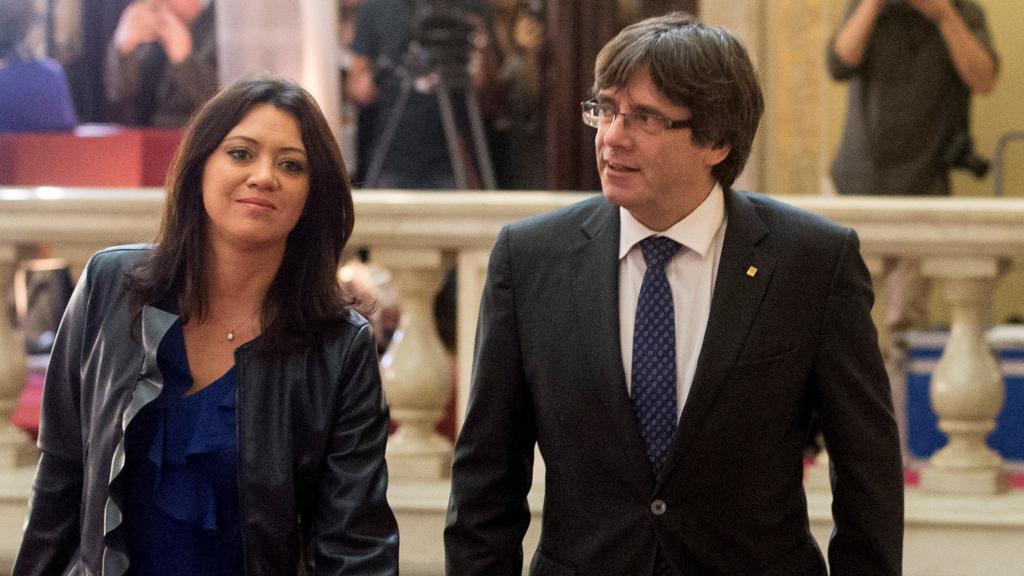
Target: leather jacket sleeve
51,536
355,531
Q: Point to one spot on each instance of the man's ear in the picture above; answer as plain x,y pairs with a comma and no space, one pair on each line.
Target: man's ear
715,155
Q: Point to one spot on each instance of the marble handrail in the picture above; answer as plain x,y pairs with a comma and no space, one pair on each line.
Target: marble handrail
965,244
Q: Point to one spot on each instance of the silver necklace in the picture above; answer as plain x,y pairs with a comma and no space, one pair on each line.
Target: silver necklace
230,335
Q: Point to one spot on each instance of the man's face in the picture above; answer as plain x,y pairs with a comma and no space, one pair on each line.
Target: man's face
659,178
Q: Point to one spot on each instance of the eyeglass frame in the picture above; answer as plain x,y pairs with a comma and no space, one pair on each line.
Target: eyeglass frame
593,104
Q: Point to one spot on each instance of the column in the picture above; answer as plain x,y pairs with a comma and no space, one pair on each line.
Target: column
15,445
416,369
967,389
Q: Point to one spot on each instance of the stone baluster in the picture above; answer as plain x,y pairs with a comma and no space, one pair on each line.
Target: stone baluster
15,445
416,369
967,390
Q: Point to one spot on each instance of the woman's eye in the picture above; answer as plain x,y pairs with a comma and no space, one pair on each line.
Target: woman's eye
239,154
292,167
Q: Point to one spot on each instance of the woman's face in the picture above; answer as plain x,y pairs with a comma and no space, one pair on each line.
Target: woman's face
255,183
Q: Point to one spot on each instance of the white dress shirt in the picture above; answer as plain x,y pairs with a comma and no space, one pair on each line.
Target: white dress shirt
691,274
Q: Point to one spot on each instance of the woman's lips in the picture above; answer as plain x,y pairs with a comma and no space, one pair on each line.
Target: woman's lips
257,202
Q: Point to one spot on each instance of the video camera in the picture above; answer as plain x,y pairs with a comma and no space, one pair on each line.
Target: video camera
441,41
960,155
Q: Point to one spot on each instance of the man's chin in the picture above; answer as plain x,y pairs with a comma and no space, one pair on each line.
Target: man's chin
619,195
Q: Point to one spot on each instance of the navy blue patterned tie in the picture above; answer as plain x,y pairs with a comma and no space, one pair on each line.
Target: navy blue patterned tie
654,353
654,362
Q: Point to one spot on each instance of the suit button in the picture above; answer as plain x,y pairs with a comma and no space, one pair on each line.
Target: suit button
658,507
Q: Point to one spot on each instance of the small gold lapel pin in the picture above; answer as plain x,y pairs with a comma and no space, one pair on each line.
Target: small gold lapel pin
752,271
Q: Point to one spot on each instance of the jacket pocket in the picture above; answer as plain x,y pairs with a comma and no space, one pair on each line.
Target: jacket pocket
544,566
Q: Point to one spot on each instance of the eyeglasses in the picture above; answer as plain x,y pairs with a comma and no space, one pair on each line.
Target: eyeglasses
598,115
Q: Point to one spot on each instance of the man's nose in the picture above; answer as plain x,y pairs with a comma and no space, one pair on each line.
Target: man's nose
617,131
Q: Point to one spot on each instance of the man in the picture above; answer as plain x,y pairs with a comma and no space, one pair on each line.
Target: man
161,64
912,67
671,401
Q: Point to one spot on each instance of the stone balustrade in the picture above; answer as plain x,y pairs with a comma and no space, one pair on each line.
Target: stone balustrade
965,245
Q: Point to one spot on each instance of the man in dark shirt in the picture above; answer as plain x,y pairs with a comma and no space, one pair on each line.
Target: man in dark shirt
912,66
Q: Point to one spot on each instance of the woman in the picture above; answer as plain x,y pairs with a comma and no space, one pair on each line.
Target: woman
211,404
34,94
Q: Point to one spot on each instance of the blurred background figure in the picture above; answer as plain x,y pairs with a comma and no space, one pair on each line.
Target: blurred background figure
384,58
512,96
912,67
34,94
161,64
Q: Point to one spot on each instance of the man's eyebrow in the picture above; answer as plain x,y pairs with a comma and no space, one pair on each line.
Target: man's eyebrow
644,109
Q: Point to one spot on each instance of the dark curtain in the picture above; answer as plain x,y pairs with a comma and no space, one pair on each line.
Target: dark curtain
577,29
85,73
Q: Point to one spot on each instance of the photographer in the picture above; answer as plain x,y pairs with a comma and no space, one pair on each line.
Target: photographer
912,67
384,56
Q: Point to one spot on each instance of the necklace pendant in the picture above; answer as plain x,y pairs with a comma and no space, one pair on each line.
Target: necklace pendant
231,335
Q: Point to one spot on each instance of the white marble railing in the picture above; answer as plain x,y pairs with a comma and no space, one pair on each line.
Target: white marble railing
965,245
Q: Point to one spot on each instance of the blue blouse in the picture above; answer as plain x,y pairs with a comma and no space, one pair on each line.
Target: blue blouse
182,513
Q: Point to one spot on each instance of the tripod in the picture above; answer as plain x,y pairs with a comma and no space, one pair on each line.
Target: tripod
443,91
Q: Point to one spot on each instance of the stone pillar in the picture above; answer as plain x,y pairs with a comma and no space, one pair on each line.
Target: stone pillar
967,389
416,369
15,446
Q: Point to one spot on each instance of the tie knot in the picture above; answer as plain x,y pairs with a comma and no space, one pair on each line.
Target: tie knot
657,250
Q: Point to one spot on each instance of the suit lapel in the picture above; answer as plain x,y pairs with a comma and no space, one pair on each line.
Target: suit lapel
596,311
738,294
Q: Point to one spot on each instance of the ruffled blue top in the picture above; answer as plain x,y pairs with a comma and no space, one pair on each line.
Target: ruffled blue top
182,511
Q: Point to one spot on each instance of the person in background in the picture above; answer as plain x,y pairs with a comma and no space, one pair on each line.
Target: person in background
417,157
161,63
213,405
912,67
664,345
34,94
513,95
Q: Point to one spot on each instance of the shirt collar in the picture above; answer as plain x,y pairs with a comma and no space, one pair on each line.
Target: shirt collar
696,231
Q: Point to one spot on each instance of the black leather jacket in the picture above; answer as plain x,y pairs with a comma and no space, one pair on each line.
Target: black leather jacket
312,428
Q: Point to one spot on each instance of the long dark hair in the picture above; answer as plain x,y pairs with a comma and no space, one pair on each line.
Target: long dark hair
304,295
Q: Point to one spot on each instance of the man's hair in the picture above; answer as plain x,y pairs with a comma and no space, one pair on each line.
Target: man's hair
304,295
16,17
703,68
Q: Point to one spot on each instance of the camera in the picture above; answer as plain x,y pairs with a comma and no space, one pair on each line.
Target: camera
960,155
441,40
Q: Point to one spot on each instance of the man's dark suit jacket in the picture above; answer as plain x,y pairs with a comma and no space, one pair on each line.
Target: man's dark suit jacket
792,337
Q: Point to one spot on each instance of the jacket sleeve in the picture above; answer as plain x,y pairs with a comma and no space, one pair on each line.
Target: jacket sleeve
51,536
355,530
859,427
488,513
